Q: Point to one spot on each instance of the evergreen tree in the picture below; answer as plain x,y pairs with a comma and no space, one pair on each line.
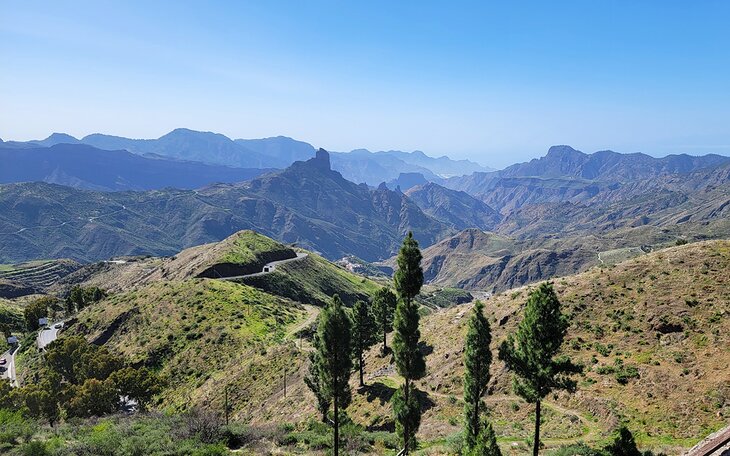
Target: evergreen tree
384,304
408,357
530,352
477,359
314,381
486,443
333,360
363,334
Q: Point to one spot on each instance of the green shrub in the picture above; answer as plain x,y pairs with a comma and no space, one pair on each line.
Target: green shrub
35,448
14,428
578,449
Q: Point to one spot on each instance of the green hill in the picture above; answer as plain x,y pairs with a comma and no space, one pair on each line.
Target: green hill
313,280
199,334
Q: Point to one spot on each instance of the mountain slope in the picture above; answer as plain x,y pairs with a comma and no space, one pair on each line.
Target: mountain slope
458,209
82,166
308,204
664,314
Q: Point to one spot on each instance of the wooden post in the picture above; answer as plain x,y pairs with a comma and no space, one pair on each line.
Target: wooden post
226,394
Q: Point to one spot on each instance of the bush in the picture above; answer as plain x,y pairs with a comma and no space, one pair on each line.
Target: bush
236,435
15,428
35,448
578,449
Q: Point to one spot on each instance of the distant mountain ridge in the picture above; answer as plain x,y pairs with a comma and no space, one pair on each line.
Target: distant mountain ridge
358,166
565,174
82,166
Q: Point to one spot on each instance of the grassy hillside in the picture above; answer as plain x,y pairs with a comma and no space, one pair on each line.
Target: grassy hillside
314,280
664,316
244,252
11,314
200,334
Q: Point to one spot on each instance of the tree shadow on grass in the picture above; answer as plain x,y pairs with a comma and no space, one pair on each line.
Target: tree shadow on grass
425,348
377,391
425,400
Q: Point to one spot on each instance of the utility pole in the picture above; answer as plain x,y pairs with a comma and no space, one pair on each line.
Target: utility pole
226,395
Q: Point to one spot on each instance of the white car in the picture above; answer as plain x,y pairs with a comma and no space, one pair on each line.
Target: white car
58,326
3,361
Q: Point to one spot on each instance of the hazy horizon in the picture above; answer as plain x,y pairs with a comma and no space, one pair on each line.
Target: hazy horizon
493,84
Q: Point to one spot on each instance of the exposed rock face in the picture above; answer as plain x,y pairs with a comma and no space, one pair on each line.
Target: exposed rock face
321,160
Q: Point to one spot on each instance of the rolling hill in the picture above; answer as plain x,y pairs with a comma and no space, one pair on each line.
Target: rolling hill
205,335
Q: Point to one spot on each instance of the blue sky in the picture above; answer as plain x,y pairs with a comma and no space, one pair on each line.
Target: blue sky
493,82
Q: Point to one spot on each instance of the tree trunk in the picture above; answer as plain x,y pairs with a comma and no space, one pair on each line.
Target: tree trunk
337,428
362,367
475,419
406,436
385,343
536,443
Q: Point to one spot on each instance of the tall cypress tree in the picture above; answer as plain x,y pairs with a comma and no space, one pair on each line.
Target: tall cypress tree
408,358
478,434
384,304
313,380
363,334
530,352
333,360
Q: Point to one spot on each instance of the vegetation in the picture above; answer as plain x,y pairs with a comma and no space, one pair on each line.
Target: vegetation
81,380
479,438
11,317
200,335
250,247
314,280
363,334
36,310
530,353
384,304
80,297
409,360
333,361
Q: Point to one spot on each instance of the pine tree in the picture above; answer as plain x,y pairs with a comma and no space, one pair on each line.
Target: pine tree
477,359
333,360
408,357
486,443
530,352
313,380
384,304
363,334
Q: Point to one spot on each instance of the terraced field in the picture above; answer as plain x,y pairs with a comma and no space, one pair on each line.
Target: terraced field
33,277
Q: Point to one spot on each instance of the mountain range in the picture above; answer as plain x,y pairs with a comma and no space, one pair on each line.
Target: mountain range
307,204
556,215
276,152
83,166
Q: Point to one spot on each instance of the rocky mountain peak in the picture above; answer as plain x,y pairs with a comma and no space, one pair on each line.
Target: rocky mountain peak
321,160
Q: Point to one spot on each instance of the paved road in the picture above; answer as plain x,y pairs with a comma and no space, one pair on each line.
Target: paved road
47,335
269,267
9,366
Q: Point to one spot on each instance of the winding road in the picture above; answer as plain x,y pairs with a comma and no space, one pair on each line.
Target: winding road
9,366
48,335
268,267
